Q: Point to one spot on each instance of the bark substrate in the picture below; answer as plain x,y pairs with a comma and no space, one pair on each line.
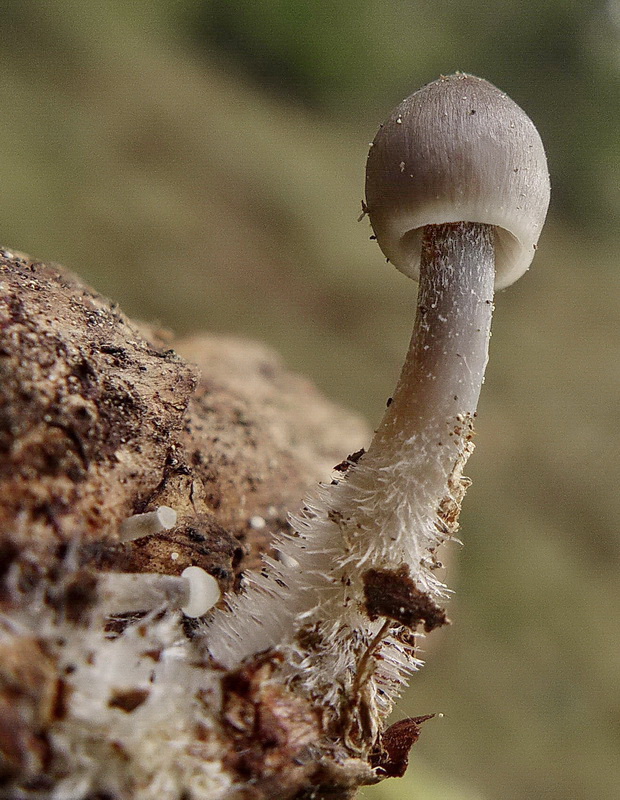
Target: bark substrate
102,418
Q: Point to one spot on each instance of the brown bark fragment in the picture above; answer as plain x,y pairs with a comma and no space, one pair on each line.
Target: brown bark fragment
88,408
391,756
393,594
29,689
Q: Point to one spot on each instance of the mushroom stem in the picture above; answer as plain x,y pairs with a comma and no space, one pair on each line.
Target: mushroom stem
121,592
363,552
440,382
390,511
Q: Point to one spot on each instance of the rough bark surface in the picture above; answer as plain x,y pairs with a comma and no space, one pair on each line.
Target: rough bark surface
101,418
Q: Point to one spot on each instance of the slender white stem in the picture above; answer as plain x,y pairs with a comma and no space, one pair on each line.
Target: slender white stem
438,389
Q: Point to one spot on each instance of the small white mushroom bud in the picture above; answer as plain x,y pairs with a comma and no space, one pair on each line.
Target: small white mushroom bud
204,592
135,527
194,592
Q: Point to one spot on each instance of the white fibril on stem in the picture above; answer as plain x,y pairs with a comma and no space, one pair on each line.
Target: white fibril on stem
457,191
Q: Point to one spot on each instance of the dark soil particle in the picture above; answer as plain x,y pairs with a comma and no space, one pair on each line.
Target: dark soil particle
343,466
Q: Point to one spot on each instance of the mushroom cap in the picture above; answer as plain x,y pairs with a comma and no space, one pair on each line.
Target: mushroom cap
204,591
458,150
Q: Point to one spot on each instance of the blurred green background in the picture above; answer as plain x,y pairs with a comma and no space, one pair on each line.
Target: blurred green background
202,163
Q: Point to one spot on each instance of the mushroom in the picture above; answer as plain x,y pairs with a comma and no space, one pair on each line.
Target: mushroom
194,592
151,522
457,191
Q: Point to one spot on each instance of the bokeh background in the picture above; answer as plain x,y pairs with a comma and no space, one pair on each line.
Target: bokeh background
202,163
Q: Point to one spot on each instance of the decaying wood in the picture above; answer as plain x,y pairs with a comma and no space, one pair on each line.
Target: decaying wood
101,418
100,415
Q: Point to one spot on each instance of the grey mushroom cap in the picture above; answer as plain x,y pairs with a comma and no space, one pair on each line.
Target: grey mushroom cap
458,150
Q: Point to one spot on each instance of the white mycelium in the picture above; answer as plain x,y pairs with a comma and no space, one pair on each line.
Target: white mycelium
132,703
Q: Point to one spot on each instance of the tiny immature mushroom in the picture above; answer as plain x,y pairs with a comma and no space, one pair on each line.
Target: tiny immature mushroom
457,191
203,592
194,592
163,518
